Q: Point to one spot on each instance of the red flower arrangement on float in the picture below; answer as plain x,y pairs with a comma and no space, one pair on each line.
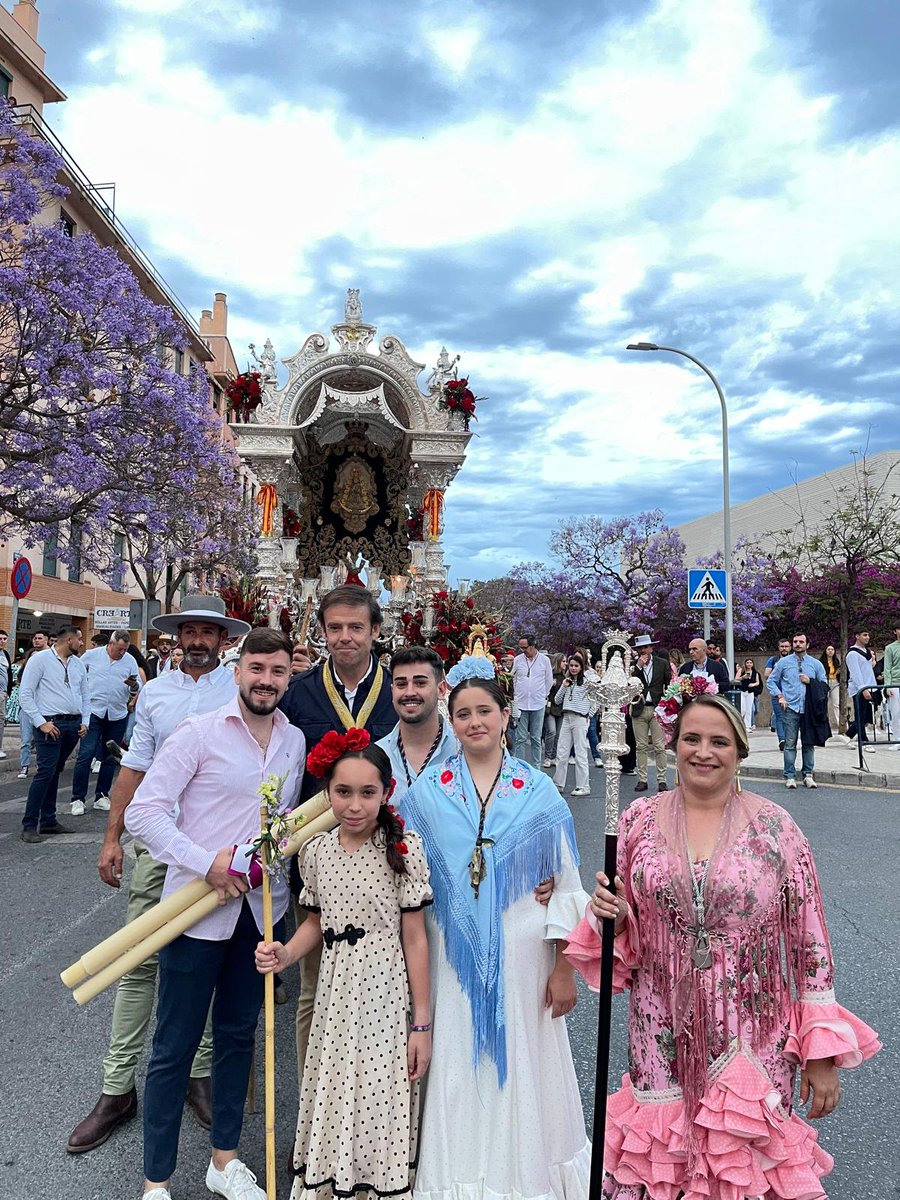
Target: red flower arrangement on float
454,617
457,396
415,527
244,394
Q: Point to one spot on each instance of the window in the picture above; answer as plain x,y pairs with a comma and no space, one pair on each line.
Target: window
118,577
5,81
77,535
179,362
66,223
217,399
51,549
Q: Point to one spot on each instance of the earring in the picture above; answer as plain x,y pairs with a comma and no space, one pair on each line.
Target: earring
737,781
676,777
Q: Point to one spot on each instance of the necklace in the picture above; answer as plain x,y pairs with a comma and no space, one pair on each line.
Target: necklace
477,867
434,746
701,952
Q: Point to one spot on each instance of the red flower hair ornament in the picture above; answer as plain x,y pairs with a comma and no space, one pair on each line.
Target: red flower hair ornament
333,746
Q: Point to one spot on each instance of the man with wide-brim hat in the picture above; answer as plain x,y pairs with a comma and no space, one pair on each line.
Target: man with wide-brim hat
653,671
200,685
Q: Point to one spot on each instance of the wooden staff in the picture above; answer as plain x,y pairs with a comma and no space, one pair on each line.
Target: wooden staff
618,688
265,853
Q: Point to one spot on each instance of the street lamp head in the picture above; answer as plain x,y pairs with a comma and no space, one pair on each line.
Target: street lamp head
642,346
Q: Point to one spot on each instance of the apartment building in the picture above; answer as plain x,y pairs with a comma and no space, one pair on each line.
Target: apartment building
60,594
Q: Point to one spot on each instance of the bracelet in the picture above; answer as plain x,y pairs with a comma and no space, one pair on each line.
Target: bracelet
420,1028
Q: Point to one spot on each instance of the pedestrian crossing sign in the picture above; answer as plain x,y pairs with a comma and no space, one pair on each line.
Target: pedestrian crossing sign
707,588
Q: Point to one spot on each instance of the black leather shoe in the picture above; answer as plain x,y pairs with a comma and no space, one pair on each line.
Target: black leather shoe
640,786
107,1114
57,828
31,836
199,1098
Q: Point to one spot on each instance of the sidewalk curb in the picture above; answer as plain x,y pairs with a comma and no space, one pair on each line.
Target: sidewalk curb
874,780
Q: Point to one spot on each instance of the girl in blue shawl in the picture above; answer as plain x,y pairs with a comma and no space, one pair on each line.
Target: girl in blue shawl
502,1115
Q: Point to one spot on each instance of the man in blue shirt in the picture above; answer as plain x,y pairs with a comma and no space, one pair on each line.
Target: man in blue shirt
54,693
787,685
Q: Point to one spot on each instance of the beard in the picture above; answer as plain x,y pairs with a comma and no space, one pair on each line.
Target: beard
199,656
260,702
416,716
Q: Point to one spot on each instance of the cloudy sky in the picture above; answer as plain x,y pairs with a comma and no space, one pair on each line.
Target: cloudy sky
535,185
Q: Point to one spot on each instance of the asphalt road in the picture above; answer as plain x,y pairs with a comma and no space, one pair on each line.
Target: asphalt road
54,908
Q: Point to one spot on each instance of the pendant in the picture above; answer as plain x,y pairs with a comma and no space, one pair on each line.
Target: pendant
701,953
477,869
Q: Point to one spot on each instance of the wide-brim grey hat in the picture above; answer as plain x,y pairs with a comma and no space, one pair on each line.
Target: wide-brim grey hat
644,639
201,608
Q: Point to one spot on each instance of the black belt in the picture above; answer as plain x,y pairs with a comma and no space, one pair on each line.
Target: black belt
65,717
351,936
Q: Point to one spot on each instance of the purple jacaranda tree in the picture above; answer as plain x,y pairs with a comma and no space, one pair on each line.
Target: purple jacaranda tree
562,610
97,433
756,591
632,567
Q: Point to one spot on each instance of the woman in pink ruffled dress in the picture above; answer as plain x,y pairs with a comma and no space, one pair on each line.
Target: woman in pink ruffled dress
721,937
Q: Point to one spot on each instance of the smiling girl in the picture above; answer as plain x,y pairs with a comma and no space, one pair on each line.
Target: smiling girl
502,1116
365,886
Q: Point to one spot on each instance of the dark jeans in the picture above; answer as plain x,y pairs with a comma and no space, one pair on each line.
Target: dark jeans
93,745
51,756
593,736
190,971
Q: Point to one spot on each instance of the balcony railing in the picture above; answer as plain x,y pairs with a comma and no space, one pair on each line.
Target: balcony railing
28,115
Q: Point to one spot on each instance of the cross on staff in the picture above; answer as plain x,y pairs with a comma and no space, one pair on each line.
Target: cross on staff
617,689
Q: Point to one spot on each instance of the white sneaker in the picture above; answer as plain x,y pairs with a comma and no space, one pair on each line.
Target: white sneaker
157,1194
809,782
3,754
580,792
548,762
101,804
598,762
23,774
77,809
236,1182
790,783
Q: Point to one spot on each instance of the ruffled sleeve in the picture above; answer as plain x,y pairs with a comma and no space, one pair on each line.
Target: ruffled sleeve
567,902
415,886
819,1026
583,950
309,894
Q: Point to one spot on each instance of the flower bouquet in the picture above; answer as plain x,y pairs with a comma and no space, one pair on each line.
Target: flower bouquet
244,395
457,396
679,692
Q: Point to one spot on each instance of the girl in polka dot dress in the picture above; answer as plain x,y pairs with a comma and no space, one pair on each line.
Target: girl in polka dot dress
365,886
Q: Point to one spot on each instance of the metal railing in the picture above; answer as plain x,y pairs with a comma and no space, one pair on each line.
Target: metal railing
28,115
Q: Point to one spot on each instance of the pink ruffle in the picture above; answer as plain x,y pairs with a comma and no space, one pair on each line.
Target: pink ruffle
744,1144
829,1031
583,952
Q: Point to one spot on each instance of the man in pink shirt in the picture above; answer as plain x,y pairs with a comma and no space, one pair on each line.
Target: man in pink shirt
197,801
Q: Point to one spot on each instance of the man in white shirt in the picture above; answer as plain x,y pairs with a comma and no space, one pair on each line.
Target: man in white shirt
860,682
113,680
532,683
200,686
54,693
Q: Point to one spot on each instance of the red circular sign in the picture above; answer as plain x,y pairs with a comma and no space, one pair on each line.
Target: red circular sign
20,578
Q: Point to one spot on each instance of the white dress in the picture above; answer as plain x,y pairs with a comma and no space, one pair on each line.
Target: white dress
527,1140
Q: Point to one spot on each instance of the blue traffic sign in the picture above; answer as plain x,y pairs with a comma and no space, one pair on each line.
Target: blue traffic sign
707,588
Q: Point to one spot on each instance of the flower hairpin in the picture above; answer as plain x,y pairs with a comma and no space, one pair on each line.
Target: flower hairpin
325,754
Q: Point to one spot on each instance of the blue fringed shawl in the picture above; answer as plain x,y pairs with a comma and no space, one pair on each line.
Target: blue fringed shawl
526,822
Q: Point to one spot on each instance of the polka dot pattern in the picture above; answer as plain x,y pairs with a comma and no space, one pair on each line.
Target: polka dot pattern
358,1123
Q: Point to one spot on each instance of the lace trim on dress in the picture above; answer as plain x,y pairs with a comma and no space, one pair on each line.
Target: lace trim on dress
818,997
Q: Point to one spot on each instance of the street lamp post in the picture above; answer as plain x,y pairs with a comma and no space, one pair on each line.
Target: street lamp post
726,494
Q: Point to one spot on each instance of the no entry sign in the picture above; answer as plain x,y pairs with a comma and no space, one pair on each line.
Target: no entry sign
20,578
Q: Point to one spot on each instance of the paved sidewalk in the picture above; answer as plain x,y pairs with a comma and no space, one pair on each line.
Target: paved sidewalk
837,762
